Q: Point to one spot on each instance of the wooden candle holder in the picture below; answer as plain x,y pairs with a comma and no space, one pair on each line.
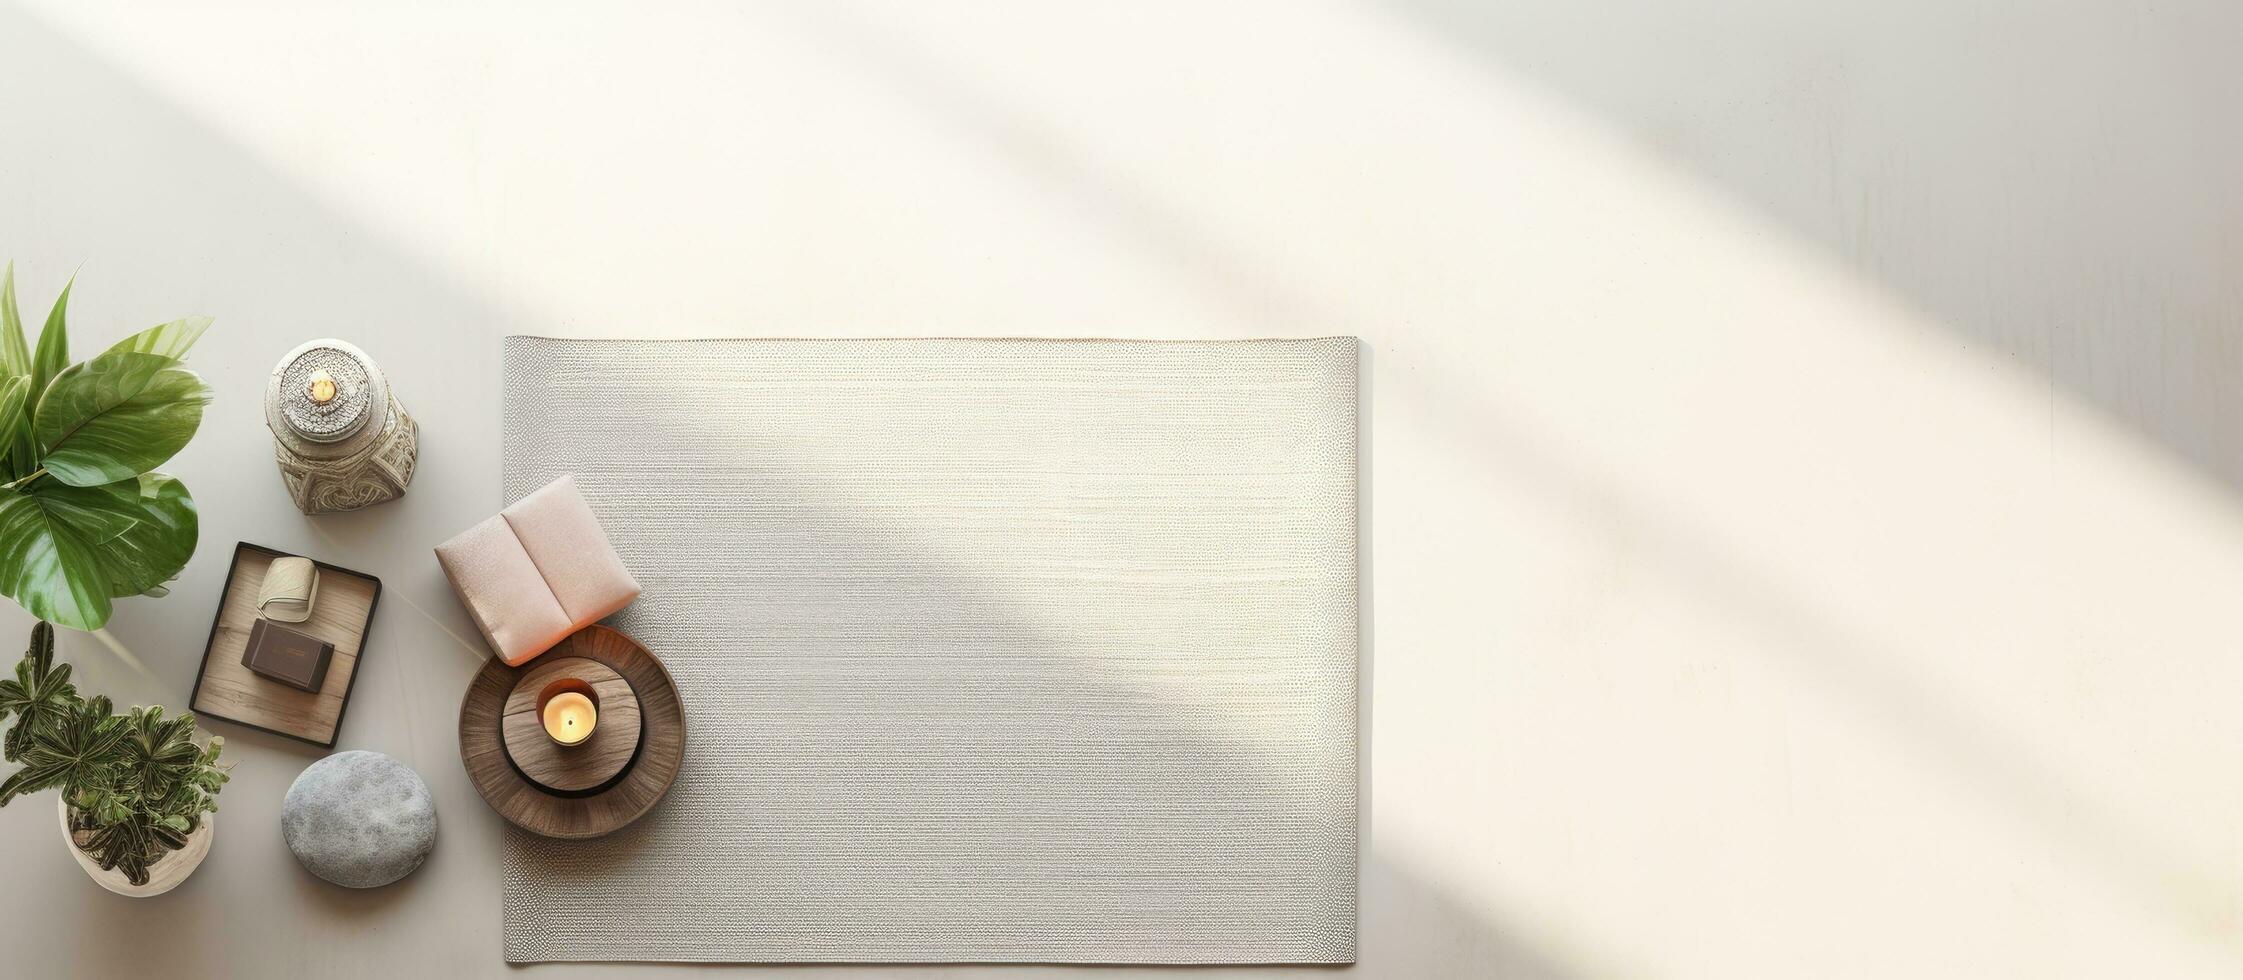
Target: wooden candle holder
587,765
576,816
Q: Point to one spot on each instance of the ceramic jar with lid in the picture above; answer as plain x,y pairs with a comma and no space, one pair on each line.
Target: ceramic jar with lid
342,439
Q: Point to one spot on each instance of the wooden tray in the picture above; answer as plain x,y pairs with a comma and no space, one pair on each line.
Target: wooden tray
532,808
342,615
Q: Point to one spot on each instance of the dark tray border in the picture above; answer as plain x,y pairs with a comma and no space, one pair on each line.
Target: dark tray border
365,637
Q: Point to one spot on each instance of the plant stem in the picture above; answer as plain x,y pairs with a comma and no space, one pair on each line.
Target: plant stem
35,474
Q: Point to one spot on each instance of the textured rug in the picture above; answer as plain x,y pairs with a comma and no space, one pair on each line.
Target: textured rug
991,650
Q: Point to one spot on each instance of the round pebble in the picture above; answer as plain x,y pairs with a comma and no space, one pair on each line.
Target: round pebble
359,819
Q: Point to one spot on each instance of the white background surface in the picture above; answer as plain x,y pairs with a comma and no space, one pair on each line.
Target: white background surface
1801,439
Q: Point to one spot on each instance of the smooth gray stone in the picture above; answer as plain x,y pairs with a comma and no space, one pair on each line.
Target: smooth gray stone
359,819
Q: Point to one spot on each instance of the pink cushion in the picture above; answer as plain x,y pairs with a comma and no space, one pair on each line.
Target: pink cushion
539,571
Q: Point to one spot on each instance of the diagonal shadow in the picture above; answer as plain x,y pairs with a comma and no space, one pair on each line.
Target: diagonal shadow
1836,656
2068,204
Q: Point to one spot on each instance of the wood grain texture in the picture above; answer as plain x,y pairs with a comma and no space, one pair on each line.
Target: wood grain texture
522,802
571,768
341,615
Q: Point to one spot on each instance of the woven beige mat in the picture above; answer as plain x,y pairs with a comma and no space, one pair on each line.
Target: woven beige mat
991,650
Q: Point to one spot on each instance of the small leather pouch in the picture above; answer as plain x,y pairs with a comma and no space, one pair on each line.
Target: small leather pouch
290,588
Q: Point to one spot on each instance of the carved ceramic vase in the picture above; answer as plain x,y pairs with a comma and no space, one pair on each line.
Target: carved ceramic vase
342,439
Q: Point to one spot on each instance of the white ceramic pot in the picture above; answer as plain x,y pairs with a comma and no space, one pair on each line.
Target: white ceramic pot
163,876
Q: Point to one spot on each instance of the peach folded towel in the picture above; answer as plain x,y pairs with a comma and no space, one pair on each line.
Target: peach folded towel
539,571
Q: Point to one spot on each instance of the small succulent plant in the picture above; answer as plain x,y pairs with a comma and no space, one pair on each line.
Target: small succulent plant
137,785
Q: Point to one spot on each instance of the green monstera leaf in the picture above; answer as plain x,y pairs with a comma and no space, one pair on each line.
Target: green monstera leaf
117,416
50,558
82,519
47,360
164,339
15,356
53,353
65,551
159,541
16,450
14,394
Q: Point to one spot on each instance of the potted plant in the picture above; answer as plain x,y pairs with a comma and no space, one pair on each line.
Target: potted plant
83,519
138,795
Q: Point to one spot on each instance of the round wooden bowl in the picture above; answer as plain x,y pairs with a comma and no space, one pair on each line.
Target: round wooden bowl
590,765
603,811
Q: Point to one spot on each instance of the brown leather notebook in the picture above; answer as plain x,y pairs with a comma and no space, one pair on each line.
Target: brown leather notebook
296,659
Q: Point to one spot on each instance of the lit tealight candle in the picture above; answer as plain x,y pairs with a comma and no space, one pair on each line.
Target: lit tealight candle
570,717
321,388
